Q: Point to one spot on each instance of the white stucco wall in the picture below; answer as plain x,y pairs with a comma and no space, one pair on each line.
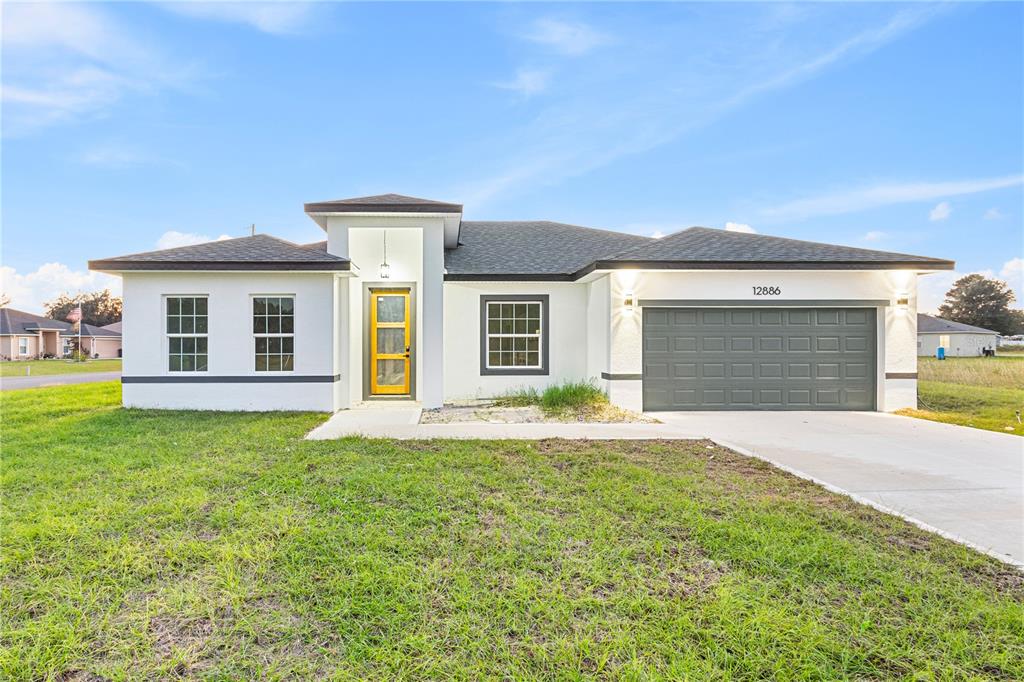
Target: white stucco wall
897,326
960,344
567,337
415,247
230,341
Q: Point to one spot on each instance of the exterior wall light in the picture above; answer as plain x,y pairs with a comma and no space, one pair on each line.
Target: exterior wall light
385,269
629,302
903,301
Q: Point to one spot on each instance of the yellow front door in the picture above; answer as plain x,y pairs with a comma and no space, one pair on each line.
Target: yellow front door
389,342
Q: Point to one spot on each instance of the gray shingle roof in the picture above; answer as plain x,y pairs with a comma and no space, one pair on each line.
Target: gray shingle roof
707,247
259,252
115,327
93,330
383,203
19,322
541,249
929,324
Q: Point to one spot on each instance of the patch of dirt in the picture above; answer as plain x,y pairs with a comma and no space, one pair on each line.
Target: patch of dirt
491,412
172,633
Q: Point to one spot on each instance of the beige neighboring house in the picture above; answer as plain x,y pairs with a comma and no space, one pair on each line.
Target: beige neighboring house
25,336
958,339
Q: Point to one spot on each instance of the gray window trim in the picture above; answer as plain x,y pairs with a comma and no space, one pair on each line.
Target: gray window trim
545,335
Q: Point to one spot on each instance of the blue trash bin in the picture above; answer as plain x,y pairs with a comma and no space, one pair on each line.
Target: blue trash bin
940,353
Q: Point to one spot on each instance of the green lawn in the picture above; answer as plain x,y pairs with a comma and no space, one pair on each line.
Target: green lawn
50,367
985,393
152,545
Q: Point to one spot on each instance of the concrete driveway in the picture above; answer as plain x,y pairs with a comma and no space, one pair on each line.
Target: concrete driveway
966,483
13,383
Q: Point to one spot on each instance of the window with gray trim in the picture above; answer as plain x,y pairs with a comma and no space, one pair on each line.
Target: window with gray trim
273,325
513,334
187,328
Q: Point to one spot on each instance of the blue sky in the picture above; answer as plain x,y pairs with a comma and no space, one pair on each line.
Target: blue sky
132,125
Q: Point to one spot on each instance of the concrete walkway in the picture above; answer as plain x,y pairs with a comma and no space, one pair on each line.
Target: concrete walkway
964,483
15,383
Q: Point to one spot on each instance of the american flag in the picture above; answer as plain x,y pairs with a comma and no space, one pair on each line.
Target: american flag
75,315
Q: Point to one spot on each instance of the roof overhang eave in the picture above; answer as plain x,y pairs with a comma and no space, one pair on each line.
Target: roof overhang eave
119,268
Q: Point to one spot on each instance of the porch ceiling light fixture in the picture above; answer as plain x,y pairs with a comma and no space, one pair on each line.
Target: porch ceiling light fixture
385,269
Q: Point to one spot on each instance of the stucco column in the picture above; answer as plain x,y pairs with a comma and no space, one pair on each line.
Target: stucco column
431,360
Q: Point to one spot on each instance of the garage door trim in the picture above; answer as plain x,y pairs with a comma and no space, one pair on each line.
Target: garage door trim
715,398
773,303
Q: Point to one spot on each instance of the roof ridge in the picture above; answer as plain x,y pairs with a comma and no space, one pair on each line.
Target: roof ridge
556,222
755,235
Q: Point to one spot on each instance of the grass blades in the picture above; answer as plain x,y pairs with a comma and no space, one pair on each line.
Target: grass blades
983,393
51,367
157,544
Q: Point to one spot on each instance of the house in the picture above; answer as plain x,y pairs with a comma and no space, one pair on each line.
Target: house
406,300
24,336
958,340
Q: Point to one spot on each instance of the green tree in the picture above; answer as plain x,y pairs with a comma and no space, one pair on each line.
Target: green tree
99,308
981,302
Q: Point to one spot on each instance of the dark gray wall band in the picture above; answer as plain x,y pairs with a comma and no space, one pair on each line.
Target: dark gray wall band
621,377
901,375
545,334
200,378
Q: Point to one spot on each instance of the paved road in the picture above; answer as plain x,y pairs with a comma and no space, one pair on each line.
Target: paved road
965,482
14,383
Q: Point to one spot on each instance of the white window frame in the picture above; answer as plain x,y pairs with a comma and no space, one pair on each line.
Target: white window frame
944,341
23,340
256,335
169,335
541,335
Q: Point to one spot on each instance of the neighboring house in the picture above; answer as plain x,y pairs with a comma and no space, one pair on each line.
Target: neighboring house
24,336
959,340
405,299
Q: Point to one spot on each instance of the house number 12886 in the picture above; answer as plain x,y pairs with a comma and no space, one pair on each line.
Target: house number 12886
767,291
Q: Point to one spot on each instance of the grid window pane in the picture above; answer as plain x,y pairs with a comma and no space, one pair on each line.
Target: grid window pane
514,334
187,324
273,323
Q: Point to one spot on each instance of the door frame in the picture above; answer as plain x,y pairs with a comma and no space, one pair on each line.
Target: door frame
367,363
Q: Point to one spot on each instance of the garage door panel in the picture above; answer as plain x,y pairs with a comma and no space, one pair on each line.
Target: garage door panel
759,358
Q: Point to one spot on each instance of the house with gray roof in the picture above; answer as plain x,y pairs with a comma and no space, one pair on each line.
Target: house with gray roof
26,336
403,300
955,338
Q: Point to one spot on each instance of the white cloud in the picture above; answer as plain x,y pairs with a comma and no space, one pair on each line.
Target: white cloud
30,291
993,214
1013,273
631,103
941,211
657,234
117,156
570,38
875,236
172,239
528,82
269,17
739,227
885,195
66,60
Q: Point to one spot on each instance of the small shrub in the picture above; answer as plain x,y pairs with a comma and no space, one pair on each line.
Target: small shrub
519,397
572,395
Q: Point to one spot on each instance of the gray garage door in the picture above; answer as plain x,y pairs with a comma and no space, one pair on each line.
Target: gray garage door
759,358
